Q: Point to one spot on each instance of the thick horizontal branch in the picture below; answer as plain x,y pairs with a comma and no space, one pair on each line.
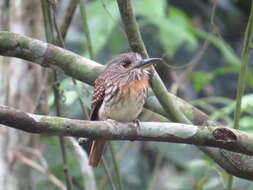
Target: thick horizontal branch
226,138
47,55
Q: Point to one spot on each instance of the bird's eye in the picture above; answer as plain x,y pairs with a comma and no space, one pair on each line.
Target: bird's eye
126,64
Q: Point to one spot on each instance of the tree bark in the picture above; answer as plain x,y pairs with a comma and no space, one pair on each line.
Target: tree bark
21,83
212,136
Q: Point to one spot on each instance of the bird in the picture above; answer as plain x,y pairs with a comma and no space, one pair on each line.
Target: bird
119,94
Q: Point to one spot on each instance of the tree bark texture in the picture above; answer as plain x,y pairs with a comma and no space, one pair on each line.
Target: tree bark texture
20,86
210,136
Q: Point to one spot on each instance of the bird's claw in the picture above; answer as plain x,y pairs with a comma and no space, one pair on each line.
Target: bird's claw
110,121
137,123
82,140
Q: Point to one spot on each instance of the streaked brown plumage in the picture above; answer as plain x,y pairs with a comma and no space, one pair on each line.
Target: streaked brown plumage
120,92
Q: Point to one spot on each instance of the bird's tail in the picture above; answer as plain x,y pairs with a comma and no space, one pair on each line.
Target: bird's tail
96,152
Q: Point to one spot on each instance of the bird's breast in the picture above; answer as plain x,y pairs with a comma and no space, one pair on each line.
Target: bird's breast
124,103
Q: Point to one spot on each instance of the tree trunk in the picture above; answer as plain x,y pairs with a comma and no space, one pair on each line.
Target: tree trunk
20,86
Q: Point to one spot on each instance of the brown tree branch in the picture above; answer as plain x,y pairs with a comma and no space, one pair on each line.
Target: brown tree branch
226,138
69,13
47,55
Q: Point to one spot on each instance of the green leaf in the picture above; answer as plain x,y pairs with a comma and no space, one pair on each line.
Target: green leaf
246,123
174,26
200,79
150,8
103,16
224,48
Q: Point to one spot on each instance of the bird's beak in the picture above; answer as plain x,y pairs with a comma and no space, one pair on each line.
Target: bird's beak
147,62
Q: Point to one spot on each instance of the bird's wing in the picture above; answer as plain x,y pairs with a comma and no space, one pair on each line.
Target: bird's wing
97,98
97,147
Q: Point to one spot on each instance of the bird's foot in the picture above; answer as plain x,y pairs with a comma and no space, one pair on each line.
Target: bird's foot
137,123
82,140
110,121
85,143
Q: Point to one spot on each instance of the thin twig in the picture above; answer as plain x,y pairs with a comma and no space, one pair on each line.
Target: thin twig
108,173
244,62
54,180
65,163
57,98
85,111
86,29
119,157
158,161
87,171
242,76
62,44
68,17
191,65
113,19
230,183
213,13
37,154
49,22
82,104
40,91
116,165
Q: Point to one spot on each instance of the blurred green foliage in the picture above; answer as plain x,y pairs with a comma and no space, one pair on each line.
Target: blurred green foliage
173,25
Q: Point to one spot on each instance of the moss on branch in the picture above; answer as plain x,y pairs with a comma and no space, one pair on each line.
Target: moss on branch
211,136
47,55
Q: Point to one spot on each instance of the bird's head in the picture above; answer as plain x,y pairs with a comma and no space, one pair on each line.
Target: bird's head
131,62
